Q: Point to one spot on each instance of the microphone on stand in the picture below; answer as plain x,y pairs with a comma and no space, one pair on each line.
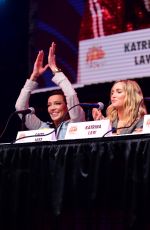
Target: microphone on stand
98,105
146,98
89,106
23,112
26,111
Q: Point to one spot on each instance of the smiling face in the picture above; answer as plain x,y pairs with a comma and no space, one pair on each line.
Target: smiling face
57,108
118,95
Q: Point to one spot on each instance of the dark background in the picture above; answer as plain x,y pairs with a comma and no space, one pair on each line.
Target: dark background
27,26
14,37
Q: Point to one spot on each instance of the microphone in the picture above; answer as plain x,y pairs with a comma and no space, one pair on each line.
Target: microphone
26,111
98,105
147,98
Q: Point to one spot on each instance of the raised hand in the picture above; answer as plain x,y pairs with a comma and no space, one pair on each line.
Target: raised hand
38,68
52,58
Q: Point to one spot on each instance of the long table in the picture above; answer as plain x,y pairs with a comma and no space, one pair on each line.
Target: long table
86,184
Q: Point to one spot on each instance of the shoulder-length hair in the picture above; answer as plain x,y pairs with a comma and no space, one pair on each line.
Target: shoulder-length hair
134,107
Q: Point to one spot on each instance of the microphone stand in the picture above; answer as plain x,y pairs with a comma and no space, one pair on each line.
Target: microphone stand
88,114
23,122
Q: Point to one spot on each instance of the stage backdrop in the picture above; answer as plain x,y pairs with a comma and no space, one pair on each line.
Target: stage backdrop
97,40
28,26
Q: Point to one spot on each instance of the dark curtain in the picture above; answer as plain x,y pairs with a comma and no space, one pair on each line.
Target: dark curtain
93,184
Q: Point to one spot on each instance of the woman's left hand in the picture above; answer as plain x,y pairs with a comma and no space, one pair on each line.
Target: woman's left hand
52,58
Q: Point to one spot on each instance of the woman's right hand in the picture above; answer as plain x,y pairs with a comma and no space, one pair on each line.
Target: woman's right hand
38,68
97,114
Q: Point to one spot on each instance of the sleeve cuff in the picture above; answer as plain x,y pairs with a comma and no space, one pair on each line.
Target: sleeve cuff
30,85
58,78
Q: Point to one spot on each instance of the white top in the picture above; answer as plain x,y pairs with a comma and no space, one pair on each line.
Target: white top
33,122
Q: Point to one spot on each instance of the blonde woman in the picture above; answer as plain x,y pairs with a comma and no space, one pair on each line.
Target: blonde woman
127,108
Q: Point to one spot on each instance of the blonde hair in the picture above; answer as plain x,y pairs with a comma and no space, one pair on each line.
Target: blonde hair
134,107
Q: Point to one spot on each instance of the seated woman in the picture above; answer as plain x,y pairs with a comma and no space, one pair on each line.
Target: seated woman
59,102
127,108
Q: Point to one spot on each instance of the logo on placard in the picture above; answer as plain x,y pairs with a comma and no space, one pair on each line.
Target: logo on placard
148,123
73,130
21,135
94,56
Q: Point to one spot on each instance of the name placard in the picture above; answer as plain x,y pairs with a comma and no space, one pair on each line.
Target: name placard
88,129
146,124
38,135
